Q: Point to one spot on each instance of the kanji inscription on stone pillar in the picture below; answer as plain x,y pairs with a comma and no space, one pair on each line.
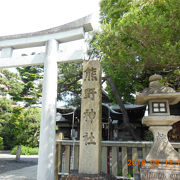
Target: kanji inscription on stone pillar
90,130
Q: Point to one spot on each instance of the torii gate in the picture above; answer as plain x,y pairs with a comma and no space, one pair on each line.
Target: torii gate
51,39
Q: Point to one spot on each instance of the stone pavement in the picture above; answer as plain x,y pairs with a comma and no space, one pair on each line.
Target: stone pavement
27,173
26,169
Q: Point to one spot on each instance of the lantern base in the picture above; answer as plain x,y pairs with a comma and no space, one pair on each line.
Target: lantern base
152,171
162,150
74,175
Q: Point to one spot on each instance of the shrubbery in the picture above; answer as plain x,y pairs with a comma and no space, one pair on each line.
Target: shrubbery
1,143
130,172
25,150
19,125
148,136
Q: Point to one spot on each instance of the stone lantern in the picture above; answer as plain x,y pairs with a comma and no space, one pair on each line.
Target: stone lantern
158,98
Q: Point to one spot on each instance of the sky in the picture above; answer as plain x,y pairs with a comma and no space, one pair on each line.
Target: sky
21,16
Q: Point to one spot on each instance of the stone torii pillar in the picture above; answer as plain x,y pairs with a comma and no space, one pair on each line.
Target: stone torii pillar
51,39
48,123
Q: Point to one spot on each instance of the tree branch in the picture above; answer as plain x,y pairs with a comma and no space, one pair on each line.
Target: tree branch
122,107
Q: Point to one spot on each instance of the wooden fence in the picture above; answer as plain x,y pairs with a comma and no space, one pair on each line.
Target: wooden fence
119,158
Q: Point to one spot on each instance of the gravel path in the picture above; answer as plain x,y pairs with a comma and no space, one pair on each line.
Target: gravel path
11,169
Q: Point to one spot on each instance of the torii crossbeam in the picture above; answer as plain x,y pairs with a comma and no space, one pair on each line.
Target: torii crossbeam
51,39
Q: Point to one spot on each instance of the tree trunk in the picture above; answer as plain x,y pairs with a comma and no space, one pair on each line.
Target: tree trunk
18,153
122,107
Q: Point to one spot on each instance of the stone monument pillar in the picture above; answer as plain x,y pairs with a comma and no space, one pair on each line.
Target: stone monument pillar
90,129
91,124
163,161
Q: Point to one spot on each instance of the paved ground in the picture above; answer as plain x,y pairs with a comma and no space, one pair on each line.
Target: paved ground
26,169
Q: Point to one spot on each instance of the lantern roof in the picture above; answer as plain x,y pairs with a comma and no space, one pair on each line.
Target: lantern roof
156,91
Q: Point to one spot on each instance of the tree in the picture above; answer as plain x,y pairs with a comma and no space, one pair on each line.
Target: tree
32,89
6,109
20,126
10,83
126,124
14,120
32,123
138,39
69,83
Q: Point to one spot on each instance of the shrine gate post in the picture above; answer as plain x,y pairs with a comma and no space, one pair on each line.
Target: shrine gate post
51,38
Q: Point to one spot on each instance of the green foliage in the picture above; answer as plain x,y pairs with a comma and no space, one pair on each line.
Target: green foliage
13,129
25,150
6,110
92,41
119,173
69,84
130,172
10,83
5,105
32,88
32,122
138,39
1,143
69,75
17,124
20,126
148,136
22,86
